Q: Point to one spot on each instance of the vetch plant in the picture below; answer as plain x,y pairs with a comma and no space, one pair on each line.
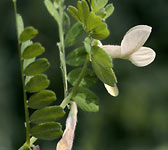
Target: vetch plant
91,27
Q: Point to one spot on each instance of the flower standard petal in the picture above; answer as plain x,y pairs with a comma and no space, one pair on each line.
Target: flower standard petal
134,39
66,141
112,90
142,57
113,50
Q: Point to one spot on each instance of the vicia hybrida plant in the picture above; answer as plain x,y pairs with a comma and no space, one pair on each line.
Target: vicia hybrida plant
91,27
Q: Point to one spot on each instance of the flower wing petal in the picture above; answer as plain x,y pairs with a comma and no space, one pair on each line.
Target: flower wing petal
112,90
142,57
113,50
134,39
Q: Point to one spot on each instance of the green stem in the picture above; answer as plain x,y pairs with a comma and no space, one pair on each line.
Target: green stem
62,48
23,85
25,146
75,88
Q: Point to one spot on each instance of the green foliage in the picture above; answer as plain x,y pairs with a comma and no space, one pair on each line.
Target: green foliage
88,80
37,83
52,10
83,11
74,12
102,65
101,12
98,7
86,100
109,10
66,22
96,28
87,44
47,131
101,3
41,99
28,34
92,24
56,4
33,50
90,17
37,67
47,114
77,57
24,45
20,26
73,35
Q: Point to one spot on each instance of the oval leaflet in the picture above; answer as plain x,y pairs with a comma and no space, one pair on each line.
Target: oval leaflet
47,131
47,114
37,83
37,67
41,99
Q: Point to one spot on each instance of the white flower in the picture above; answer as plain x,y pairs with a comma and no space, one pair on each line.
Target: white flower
66,141
132,49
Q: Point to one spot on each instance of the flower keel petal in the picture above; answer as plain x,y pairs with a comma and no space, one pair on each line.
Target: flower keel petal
112,90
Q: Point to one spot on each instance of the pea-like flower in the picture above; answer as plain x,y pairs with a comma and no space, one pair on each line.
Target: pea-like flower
66,141
132,49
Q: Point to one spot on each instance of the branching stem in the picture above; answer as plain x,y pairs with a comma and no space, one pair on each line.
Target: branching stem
74,89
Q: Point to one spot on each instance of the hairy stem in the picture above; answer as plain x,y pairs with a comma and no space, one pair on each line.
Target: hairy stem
75,88
62,48
27,124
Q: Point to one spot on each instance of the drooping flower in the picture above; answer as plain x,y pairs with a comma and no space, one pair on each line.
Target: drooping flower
132,49
66,141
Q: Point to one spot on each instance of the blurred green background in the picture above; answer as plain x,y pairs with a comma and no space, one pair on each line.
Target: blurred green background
136,120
